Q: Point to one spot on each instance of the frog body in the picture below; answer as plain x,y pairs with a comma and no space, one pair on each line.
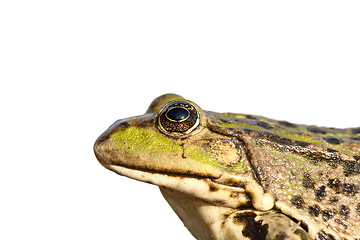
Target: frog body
236,176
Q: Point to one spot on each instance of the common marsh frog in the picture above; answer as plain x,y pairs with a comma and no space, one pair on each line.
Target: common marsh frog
234,176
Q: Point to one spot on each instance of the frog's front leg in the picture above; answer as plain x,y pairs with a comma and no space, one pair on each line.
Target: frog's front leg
207,221
269,225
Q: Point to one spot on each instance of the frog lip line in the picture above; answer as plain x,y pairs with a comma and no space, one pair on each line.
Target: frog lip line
162,173
165,172
203,188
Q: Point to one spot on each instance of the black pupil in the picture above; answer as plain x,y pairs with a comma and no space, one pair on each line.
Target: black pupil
177,114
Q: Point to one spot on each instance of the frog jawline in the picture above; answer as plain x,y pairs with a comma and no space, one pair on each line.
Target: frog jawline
203,188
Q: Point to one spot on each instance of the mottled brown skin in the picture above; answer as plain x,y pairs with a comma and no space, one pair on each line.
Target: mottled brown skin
315,179
313,173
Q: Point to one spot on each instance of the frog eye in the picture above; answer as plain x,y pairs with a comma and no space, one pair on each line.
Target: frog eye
179,118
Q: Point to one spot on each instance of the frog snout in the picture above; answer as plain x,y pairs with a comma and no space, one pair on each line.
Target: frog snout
104,146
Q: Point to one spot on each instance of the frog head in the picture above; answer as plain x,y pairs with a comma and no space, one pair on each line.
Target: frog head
172,146
236,169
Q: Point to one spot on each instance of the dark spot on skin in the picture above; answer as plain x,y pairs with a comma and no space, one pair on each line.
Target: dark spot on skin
346,188
224,120
124,125
320,193
333,140
281,236
314,210
344,211
350,189
333,162
248,196
352,167
344,225
250,117
213,188
297,201
358,208
222,226
331,150
334,184
287,124
234,183
356,130
226,216
355,138
302,144
333,200
328,214
324,236
307,181
253,229
264,125
315,129
357,158
248,204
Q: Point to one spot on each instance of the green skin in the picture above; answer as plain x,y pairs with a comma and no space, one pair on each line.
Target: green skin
258,178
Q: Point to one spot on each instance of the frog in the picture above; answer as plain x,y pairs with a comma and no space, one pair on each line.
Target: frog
232,176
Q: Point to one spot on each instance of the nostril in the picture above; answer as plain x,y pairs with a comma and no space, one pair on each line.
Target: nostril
124,125
106,135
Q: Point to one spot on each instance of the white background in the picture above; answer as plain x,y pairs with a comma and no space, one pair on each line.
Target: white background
69,69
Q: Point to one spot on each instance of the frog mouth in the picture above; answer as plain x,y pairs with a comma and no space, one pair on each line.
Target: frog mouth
224,190
211,185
